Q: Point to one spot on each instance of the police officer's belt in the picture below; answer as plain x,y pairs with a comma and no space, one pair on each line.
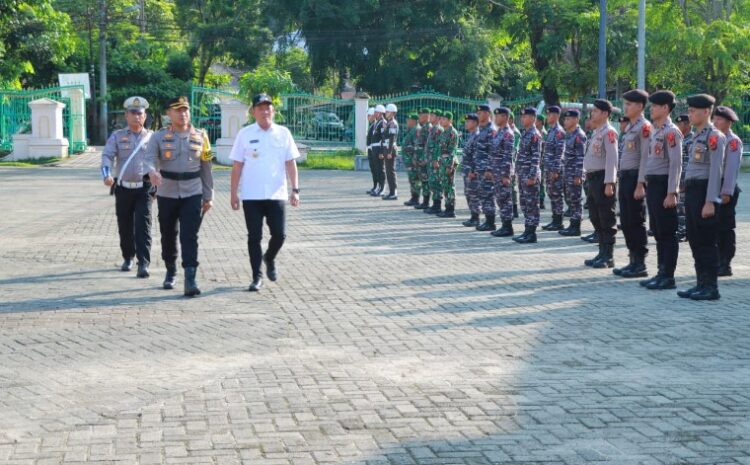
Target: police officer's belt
180,176
696,182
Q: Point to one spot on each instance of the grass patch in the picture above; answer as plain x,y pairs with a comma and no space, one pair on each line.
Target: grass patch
330,160
30,163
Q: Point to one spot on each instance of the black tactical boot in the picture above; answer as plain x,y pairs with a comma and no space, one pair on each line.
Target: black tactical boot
191,287
528,236
505,231
425,203
573,230
435,208
472,222
171,278
414,200
605,260
555,225
638,267
631,264
450,210
591,261
488,225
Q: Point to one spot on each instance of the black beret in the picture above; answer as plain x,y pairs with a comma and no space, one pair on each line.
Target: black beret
553,109
726,112
529,111
624,119
502,111
483,108
683,118
662,97
472,117
701,101
603,105
636,95
572,112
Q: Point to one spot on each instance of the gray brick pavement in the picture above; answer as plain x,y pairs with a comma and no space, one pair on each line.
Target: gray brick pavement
391,338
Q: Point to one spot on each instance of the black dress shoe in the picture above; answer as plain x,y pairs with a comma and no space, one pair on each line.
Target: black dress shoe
686,293
661,284
724,271
653,279
706,293
255,285
390,197
170,279
142,271
127,265
270,269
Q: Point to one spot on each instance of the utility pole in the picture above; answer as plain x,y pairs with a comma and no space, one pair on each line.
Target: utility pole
142,16
642,44
103,117
602,48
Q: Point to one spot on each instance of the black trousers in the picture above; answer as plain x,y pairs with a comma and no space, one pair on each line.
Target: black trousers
274,213
702,232
663,222
632,213
727,222
183,217
133,209
601,208
379,167
373,166
390,173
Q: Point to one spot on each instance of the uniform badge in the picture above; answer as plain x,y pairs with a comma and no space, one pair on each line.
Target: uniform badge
169,135
630,145
255,154
713,141
124,139
559,134
658,149
534,138
698,152
671,139
734,145
168,154
646,130
578,139
612,136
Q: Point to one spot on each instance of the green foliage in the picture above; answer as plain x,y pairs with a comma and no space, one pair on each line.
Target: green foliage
327,160
265,79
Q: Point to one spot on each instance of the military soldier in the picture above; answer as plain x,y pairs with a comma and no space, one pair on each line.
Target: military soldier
516,145
410,161
662,176
388,141
683,124
632,178
179,162
370,152
423,131
542,187
432,155
123,171
447,148
575,146
467,167
529,175
482,166
703,188
502,162
377,147
554,148
724,117
600,165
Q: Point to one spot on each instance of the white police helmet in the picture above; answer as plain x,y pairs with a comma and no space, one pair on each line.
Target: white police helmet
391,108
379,109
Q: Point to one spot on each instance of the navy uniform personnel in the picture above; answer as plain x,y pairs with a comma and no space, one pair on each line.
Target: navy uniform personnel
542,187
528,172
683,124
483,166
179,161
575,146
554,148
471,121
600,165
128,180
370,151
389,150
503,162
420,155
724,117
702,197
516,144
631,191
662,174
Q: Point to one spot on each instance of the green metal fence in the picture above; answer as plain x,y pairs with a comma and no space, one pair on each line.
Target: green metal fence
318,121
205,109
15,115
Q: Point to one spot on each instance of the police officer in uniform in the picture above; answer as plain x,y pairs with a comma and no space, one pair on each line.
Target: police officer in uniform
662,174
370,152
600,165
123,171
179,162
702,197
554,149
389,151
724,117
528,173
575,146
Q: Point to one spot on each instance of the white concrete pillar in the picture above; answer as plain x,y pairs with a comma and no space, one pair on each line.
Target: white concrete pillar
494,101
78,111
47,130
234,115
361,103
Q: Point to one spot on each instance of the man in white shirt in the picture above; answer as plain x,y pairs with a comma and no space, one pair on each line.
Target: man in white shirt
263,156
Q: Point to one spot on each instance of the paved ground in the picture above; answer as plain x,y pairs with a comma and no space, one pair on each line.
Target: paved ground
391,338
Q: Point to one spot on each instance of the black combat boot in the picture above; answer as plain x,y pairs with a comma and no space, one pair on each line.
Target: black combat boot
659,274
605,260
528,236
686,293
709,290
626,268
505,231
591,261
425,203
437,207
472,222
450,210
191,287
555,225
725,268
637,268
573,230
592,238
488,225
171,278
414,200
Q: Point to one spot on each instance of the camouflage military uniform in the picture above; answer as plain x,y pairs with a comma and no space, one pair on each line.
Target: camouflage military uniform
432,154
446,150
482,165
421,157
554,147
575,146
410,160
527,167
467,167
502,167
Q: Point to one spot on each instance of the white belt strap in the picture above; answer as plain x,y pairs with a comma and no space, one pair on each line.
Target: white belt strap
130,158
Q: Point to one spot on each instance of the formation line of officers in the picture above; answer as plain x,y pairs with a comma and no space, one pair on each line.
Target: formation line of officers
681,173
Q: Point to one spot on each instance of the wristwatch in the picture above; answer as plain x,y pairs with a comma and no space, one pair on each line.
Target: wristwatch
296,191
